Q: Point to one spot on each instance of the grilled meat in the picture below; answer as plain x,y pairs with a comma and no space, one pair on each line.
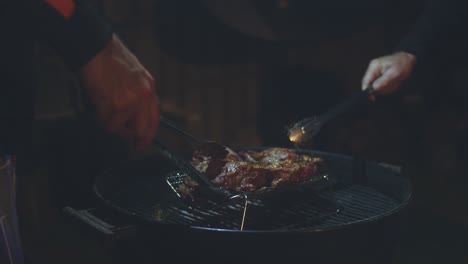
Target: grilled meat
253,170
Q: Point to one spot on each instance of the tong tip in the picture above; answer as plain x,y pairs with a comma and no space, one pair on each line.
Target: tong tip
304,130
295,134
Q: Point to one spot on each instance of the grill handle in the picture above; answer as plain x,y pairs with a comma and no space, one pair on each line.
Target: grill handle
90,222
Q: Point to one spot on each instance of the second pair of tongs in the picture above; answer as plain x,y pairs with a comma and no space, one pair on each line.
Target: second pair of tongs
304,130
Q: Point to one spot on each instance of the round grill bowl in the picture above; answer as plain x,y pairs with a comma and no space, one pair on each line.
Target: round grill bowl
372,199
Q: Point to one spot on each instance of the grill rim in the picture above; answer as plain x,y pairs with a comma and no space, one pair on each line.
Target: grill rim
402,204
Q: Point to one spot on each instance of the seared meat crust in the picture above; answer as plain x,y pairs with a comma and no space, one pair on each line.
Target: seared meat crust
253,170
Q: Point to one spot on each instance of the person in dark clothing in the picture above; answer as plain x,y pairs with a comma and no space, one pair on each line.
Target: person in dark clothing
438,36
121,103
120,88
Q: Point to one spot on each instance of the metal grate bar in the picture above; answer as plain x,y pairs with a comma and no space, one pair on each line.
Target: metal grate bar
346,205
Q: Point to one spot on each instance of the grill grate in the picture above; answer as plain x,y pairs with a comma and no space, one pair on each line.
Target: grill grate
312,211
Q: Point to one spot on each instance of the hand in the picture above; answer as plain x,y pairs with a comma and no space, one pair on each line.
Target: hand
386,74
123,93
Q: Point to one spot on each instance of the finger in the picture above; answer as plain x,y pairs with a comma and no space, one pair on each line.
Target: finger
151,80
118,104
150,127
138,120
147,108
145,124
153,120
118,125
373,72
384,83
104,112
134,140
152,108
142,126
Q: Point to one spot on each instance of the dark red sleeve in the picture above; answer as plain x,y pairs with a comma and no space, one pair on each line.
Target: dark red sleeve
71,27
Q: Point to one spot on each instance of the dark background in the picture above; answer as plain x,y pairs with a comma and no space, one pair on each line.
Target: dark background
243,91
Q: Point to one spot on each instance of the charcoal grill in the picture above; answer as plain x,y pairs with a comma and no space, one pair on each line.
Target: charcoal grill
360,220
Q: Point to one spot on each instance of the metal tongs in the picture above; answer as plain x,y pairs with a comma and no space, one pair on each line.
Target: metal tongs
304,130
213,191
209,189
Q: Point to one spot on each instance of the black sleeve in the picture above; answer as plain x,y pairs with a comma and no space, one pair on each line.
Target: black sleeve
440,30
77,38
